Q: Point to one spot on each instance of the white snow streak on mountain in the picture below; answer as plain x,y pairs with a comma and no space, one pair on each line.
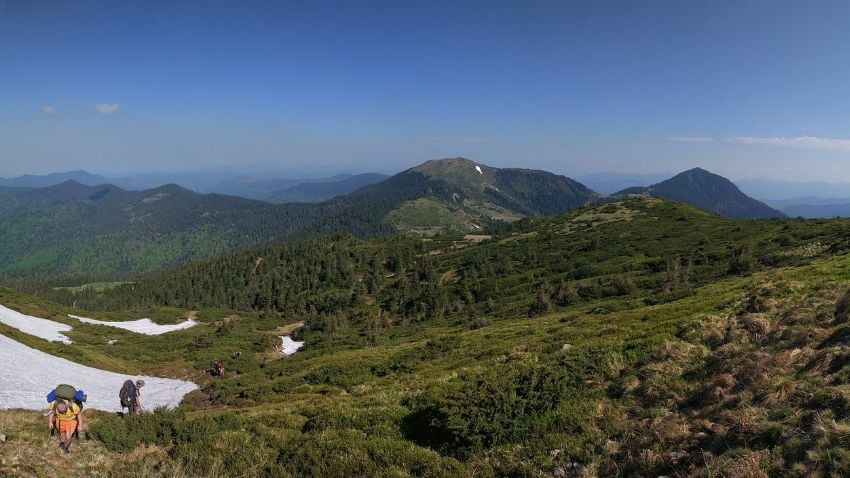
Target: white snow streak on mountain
46,329
141,326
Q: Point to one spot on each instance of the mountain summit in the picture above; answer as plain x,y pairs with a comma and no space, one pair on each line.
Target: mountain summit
710,192
459,195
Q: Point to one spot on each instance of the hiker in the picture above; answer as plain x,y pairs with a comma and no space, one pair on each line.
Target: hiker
67,417
218,369
66,413
131,396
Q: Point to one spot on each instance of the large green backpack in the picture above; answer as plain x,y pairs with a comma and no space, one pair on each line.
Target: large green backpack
66,391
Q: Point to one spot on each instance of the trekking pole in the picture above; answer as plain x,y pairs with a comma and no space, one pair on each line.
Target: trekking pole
52,429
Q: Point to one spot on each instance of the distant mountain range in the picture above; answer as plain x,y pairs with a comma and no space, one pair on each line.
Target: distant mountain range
262,186
778,190
43,181
709,192
811,199
808,199
322,191
104,229
71,227
609,183
813,207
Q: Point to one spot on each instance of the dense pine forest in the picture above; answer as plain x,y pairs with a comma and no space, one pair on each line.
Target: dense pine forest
554,260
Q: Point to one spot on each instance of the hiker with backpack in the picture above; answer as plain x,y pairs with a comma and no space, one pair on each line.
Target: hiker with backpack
131,396
66,414
218,369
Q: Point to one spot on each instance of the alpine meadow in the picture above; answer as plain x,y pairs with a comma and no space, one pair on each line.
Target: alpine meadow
424,239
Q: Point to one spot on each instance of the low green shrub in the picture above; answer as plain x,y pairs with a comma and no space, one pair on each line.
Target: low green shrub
126,433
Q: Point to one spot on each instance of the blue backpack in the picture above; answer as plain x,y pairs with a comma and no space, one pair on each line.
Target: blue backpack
68,393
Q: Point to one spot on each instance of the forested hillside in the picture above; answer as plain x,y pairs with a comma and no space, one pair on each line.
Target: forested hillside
106,231
560,259
644,337
103,229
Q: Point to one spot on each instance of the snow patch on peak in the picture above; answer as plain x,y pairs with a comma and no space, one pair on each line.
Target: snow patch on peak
478,168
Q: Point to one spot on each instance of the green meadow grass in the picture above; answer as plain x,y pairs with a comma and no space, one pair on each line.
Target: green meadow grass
643,339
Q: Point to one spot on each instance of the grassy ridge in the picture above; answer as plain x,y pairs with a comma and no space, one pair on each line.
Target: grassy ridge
643,338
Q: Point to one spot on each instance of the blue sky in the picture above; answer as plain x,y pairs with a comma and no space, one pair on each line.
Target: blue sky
743,88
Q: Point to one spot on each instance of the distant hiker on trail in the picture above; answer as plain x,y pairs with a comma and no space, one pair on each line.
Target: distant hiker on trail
131,396
218,369
66,414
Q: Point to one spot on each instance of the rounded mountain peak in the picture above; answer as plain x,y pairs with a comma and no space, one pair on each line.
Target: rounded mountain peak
456,170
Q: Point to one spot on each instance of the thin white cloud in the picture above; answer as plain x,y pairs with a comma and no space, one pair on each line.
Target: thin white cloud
48,111
107,109
696,139
806,142
462,139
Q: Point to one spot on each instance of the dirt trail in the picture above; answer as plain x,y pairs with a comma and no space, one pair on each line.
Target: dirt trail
289,328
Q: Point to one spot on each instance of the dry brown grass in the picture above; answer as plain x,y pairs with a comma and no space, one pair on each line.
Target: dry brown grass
30,451
751,465
778,391
758,325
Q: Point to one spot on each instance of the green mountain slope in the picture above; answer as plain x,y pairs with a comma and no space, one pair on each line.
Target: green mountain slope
709,192
103,229
653,237
457,195
691,344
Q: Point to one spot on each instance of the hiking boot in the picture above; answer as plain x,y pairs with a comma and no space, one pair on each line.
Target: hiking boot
67,449
61,446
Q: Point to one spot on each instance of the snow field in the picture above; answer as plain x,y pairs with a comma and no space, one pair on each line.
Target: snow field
141,326
28,375
289,346
46,329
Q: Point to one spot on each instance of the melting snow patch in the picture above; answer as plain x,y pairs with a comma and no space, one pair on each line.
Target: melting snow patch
28,375
289,346
478,168
141,326
46,329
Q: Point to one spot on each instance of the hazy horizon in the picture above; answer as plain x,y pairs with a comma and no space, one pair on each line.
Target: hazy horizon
257,170
743,89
